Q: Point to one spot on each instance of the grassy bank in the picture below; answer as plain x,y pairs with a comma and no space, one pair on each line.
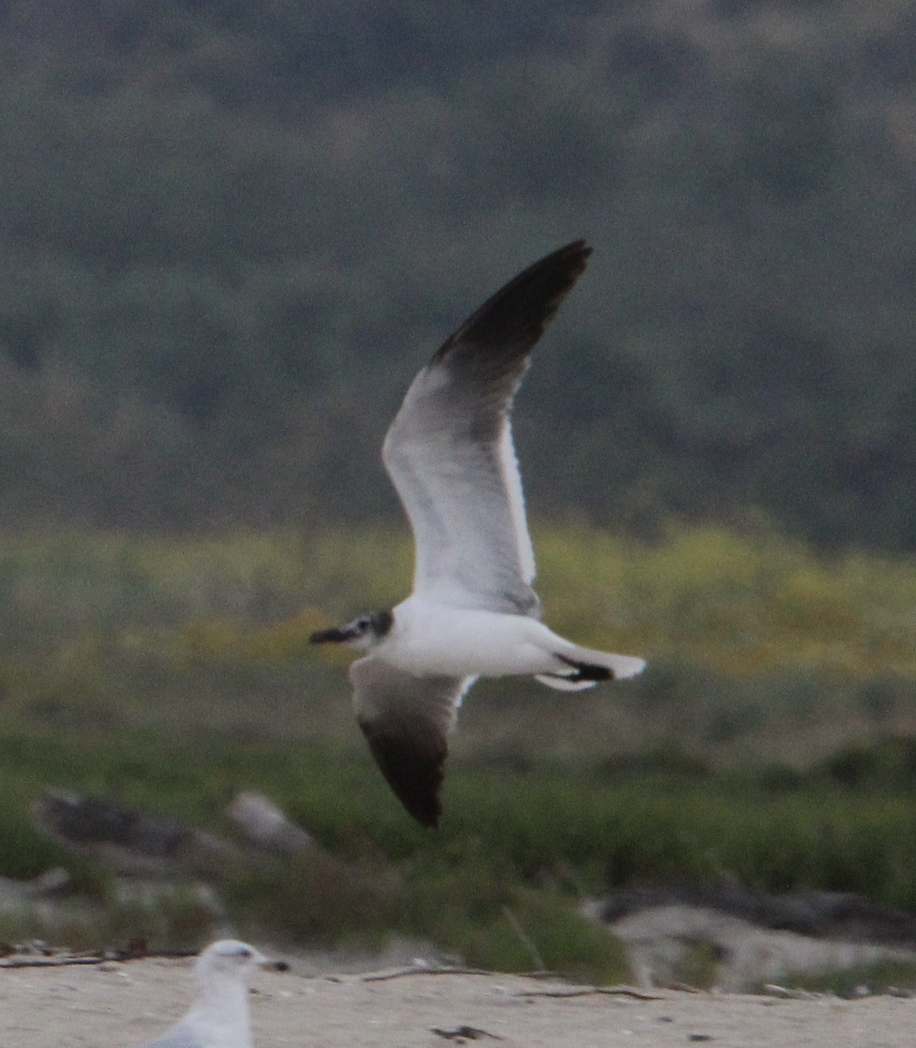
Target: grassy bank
756,646
517,848
169,674
742,603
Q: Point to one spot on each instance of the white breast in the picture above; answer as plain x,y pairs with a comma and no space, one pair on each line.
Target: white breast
429,639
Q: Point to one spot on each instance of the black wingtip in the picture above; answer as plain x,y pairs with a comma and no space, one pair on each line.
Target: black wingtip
515,317
414,772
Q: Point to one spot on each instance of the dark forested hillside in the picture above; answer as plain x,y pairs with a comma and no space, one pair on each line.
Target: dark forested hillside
231,232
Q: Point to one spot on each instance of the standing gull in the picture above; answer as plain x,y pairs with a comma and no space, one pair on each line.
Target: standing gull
472,612
219,1016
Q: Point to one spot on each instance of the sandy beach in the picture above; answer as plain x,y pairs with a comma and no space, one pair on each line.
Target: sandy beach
117,1005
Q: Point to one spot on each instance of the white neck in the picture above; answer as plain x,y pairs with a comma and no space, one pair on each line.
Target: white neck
222,1008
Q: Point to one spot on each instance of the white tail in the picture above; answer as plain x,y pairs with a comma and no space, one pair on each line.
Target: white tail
587,667
562,683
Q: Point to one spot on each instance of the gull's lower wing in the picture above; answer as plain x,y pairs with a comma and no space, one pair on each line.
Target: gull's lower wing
406,720
449,450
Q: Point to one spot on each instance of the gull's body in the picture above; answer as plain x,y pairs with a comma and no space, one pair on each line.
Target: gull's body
219,1016
427,638
472,612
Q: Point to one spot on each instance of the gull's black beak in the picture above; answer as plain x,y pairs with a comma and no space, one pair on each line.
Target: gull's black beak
334,636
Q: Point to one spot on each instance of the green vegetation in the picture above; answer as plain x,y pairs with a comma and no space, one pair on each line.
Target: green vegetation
750,637
864,980
229,235
498,885
767,742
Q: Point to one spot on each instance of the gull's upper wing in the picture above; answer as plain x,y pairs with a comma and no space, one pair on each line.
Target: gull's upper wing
406,720
449,450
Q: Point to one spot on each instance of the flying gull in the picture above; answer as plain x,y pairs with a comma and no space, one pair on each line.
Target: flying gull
472,612
219,1016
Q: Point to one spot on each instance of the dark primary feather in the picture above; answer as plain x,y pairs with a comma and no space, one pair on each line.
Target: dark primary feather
491,342
413,767
406,720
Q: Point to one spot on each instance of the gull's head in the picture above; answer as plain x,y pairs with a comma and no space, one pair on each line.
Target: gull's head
229,957
362,633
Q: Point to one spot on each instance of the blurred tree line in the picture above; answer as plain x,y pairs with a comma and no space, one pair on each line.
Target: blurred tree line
231,232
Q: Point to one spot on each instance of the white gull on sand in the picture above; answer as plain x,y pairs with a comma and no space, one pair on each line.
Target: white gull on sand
219,1016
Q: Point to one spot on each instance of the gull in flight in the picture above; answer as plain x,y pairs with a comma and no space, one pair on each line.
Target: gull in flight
472,612
219,1016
